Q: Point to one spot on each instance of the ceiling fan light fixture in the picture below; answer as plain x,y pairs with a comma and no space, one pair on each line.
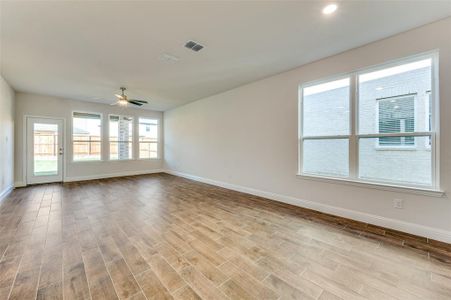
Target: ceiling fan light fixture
122,100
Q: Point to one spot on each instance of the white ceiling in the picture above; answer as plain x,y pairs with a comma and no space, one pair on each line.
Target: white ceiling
86,50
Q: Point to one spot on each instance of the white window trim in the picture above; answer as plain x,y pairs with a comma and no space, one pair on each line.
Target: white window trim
354,136
426,110
133,137
157,142
375,185
72,160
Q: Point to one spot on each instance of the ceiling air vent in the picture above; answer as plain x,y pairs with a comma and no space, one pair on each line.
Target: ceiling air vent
193,46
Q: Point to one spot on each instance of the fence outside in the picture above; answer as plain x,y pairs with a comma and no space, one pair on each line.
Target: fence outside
46,144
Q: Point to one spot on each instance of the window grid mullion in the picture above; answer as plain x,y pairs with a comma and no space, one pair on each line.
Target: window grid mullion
395,134
325,137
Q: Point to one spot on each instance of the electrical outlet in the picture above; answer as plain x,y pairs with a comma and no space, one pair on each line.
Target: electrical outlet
398,203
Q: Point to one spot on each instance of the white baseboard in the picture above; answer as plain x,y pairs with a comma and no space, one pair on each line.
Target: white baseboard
99,176
420,230
5,192
111,175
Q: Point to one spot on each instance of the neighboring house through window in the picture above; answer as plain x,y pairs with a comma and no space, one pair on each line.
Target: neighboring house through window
396,114
121,137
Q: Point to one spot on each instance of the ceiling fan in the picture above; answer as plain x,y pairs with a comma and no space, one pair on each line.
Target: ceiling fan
122,99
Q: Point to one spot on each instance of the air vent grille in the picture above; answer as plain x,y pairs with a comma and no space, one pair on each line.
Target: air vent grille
195,46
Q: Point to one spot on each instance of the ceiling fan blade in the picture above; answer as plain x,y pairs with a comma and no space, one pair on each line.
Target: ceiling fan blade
119,96
141,101
134,102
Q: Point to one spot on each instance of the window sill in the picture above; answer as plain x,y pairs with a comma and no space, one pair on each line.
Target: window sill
153,158
87,161
378,186
111,160
126,159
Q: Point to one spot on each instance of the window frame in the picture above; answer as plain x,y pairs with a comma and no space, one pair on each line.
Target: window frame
354,135
133,142
72,160
157,142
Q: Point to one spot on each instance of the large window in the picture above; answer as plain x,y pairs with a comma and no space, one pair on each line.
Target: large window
86,136
374,125
121,137
148,138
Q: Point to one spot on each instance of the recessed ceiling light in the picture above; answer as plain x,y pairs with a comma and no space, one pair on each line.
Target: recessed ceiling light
379,88
329,9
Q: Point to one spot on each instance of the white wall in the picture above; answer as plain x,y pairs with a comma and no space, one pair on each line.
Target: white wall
46,106
246,139
6,137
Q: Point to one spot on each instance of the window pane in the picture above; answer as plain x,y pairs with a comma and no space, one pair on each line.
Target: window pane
394,99
45,140
148,138
86,151
148,150
120,147
148,130
121,137
326,108
326,157
86,136
393,165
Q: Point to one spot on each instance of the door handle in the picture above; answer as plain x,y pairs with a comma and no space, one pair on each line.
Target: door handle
61,151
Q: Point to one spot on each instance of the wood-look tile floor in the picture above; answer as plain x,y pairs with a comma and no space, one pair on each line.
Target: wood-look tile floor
163,237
